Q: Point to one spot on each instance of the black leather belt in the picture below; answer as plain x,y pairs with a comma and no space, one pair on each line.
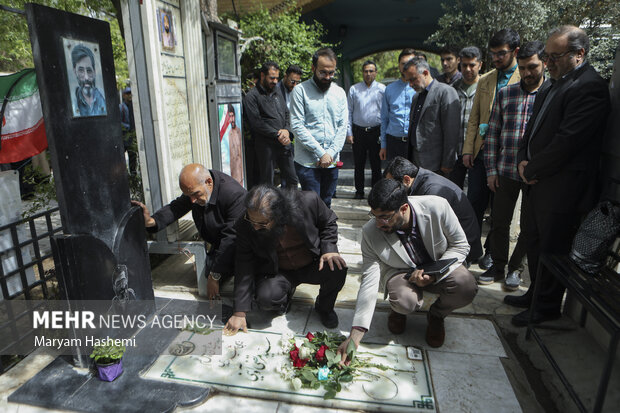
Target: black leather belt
367,129
398,138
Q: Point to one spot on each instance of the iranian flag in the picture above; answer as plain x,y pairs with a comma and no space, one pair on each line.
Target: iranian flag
23,130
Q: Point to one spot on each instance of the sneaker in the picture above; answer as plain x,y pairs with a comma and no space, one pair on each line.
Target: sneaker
435,331
513,280
486,261
491,275
397,322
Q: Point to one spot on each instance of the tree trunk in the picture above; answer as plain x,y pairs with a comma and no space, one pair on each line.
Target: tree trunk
209,8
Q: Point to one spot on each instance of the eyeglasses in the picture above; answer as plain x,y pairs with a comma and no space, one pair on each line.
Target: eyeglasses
554,57
294,82
326,73
501,54
384,218
258,225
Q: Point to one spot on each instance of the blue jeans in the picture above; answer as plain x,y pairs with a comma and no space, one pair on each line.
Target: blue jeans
323,181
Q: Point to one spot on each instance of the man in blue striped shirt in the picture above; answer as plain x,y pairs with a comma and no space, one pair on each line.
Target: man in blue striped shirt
395,113
365,99
319,118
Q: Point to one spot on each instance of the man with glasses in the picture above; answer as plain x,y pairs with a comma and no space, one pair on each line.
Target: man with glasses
558,160
503,49
268,118
365,99
291,79
286,238
216,202
395,113
403,234
319,117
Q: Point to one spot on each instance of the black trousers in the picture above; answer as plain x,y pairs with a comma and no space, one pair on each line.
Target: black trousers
273,292
458,173
366,141
548,232
266,153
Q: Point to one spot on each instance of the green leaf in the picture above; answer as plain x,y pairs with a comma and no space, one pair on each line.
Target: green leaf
308,374
351,350
329,395
345,378
315,385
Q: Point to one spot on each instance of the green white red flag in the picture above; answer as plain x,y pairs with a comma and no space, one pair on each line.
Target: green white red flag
23,130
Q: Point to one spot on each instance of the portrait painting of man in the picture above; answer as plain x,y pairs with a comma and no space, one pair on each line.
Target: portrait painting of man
84,75
231,146
166,29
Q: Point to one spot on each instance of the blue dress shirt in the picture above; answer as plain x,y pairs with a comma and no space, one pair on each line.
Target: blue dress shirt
365,105
395,110
318,121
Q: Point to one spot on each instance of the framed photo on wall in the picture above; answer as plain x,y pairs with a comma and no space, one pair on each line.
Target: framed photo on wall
84,75
166,29
231,140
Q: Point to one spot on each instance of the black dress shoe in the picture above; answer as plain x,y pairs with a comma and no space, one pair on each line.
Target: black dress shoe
521,319
519,301
486,261
359,195
329,318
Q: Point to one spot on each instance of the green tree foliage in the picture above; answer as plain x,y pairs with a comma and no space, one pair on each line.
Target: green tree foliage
15,50
387,64
285,39
472,22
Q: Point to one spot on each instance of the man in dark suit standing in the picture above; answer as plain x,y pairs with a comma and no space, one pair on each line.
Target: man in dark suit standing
420,181
558,159
434,119
286,238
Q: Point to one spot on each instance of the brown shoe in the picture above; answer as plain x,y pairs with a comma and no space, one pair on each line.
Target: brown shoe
396,322
435,332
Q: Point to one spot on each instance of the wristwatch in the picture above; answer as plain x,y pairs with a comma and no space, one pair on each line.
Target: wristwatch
216,276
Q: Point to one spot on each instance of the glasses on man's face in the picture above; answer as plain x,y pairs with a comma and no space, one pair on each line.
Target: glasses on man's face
501,54
257,225
382,218
327,73
294,82
554,57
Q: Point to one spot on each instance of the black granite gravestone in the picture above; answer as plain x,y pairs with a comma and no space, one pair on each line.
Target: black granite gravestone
103,252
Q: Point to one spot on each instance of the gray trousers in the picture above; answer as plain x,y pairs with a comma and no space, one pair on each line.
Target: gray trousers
455,291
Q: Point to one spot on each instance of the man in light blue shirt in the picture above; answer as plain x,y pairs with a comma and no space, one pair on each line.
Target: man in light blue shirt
365,99
319,117
395,113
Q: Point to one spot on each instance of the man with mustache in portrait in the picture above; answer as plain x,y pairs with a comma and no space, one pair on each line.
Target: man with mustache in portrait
90,100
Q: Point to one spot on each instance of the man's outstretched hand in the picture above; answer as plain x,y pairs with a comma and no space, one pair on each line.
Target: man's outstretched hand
352,342
333,259
148,220
235,323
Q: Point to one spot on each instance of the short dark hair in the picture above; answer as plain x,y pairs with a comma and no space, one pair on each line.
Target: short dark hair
577,38
470,52
505,36
369,62
79,52
231,108
449,50
387,195
267,66
323,52
406,52
530,49
399,167
420,54
294,69
420,64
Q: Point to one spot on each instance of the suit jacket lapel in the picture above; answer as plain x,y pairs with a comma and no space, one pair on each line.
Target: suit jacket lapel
429,97
393,241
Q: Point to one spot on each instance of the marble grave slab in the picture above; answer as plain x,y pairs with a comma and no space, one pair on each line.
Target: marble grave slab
250,365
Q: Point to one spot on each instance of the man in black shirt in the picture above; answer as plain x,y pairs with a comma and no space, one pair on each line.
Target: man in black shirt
216,201
268,118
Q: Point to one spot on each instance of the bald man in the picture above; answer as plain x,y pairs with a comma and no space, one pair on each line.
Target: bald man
216,201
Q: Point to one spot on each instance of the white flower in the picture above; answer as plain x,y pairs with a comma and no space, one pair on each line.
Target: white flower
296,382
305,352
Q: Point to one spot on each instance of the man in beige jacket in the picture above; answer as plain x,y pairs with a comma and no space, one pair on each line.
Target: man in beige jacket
503,49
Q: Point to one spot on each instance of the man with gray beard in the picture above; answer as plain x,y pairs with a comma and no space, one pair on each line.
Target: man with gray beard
90,100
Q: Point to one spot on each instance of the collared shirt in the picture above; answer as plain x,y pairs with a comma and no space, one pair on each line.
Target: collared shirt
319,121
365,105
504,77
466,98
442,78
511,111
413,243
395,110
97,108
418,108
